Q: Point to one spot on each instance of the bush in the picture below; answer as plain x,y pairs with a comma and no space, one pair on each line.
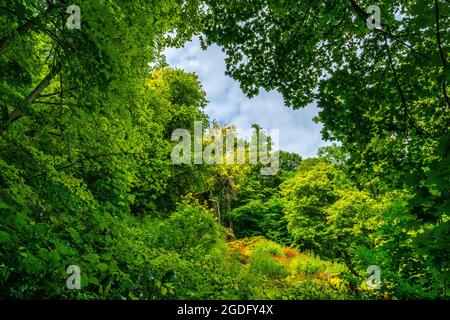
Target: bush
263,261
313,289
269,247
310,264
190,227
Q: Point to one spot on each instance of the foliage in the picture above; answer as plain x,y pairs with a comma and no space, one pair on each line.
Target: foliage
383,93
86,177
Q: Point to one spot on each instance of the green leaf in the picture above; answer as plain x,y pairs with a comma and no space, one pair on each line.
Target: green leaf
102,267
5,238
4,205
41,228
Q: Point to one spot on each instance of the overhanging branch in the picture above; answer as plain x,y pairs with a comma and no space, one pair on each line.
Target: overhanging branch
18,112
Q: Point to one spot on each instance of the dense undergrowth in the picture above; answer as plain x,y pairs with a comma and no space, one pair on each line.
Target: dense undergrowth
183,257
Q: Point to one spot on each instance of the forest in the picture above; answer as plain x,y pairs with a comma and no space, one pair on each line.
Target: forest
93,207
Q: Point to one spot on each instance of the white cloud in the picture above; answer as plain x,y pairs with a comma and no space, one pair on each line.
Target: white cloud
227,103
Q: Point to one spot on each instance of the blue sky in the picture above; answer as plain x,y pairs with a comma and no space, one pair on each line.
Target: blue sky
227,104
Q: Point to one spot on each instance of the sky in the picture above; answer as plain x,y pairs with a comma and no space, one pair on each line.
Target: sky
228,105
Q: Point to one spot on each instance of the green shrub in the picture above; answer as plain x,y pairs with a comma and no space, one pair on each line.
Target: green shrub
263,262
189,227
269,247
310,264
313,290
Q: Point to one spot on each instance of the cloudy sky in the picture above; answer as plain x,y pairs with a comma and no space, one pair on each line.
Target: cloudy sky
228,105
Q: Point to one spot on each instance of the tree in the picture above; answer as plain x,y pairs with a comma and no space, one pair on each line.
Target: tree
308,194
383,93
